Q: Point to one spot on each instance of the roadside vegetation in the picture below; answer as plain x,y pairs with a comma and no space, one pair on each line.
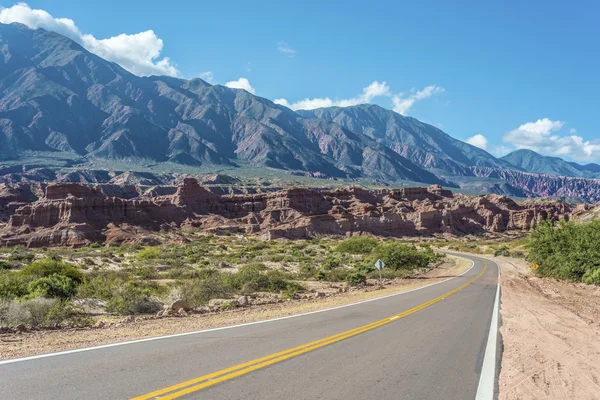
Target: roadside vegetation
567,250
58,287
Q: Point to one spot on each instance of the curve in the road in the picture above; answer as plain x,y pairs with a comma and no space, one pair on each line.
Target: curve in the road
433,348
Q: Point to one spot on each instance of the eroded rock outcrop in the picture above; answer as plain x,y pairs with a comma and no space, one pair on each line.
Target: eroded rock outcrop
74,214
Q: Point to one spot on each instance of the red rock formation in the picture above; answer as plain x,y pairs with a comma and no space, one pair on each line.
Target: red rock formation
75,215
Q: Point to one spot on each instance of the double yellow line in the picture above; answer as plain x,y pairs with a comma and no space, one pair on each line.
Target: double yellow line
203,382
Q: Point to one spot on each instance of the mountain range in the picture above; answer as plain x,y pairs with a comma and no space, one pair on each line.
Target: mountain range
55,96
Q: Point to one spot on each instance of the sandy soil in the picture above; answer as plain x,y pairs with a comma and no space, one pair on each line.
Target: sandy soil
551,336
14,345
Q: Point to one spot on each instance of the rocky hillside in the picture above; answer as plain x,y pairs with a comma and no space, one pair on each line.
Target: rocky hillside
530,161
421,143
56,96
76,215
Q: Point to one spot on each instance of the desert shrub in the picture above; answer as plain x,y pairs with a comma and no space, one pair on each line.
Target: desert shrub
122,294
332,275
23,256
276,257
13,285
356,278
53,286
102,285
131,298
31,312
307,271
357,245
331,263
502,251
591,277
200,290
148,254
66,314
398,255
517,254
6,265
40,312
46,267
320,275
566,250
146,272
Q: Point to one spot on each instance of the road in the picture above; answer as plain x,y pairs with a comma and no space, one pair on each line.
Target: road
424,344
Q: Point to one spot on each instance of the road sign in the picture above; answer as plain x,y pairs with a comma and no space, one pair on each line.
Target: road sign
379,264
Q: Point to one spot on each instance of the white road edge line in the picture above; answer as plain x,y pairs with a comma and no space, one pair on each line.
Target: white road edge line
104,346
487,379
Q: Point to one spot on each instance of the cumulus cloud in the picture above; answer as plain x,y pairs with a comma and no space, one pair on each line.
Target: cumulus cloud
402,103
543,137
138,53
500,151
478,141
241,83
284,48
369,93
208,76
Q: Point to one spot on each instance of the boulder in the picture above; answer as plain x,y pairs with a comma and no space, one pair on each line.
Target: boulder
243,301
178,305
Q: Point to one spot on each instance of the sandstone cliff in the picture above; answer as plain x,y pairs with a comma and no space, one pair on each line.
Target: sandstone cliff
75,215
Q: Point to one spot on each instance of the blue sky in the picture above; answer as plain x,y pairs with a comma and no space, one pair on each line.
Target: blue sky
523,74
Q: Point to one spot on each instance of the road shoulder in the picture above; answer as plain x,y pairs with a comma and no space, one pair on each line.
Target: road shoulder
551,336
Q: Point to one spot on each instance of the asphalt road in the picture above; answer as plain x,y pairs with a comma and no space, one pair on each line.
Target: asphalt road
424,344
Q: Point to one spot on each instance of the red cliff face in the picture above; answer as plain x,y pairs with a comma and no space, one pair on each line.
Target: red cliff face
76,215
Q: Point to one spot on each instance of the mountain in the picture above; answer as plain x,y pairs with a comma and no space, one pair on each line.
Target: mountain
421,143
530,161
57,96
60,102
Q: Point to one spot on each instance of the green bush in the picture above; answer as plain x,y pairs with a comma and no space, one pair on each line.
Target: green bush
566,250
356,278
357,245
53,286
398,255
122,294
23,256
5,265
502,251
131,298
592,277
47,267
13,285
200,290
148,254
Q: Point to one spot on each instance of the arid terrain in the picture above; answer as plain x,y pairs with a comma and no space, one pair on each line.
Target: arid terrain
115,329
77,215
551,335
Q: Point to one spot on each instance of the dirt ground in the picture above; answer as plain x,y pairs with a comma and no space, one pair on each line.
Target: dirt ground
13,345
551,336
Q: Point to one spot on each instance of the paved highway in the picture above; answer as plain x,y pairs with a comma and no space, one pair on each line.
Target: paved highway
424,344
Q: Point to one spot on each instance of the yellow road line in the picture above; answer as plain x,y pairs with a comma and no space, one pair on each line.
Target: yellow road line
193,385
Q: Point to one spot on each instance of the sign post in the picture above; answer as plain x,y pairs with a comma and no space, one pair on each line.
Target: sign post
379,265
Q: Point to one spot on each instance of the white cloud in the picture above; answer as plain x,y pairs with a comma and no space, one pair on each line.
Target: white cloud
572,130
241,83
284,48
138,53
500,151
208,76
478,141
402,104
375,89
542,136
